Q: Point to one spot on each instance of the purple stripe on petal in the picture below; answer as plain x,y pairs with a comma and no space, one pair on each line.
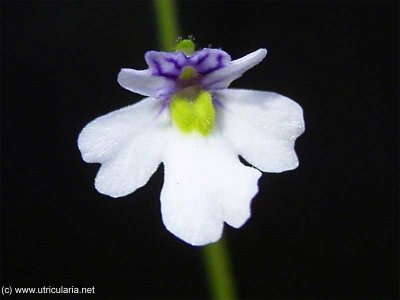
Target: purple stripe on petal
219,65
165,64
173,61
201,59
157,65
159,71
166,93
217,102
209,60
164,106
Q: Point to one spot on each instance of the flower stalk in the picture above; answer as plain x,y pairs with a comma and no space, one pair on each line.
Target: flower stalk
219,270
167,23
216,256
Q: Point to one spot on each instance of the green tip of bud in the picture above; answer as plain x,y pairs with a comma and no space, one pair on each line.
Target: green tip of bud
186,46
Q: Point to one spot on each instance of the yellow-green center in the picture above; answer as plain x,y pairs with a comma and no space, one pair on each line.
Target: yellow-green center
188,73
191,107
192,110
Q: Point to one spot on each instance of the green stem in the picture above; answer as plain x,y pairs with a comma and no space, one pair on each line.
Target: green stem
167,23
219,271
216,256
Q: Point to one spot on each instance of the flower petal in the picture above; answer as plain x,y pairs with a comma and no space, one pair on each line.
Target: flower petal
132,167
205,184
129,143
262,126
222,78
103,137
144,83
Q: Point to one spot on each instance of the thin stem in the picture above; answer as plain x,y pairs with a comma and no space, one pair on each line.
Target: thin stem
216,257
167,23
219,271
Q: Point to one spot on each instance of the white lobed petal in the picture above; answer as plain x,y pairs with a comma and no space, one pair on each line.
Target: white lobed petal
205,184
129,143
105,135
223,77
262,126
131,168
144,83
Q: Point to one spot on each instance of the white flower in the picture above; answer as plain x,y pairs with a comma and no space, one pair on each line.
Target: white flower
197,128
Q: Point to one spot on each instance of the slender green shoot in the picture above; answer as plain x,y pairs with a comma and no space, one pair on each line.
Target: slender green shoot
167,23
219,271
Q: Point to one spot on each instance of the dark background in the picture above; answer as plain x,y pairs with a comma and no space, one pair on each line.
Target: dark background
328,229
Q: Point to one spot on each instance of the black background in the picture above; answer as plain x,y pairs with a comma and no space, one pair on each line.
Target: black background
328,229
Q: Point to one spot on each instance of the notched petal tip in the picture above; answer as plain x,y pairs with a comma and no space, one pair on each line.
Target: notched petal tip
263,127
205,185
128,143
106,186
105,191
